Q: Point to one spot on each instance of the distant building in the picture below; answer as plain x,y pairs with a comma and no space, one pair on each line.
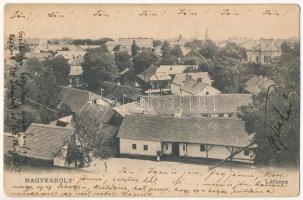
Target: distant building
263,51
216,106
185,137
193,84
125,44
160,81
75,76
257,84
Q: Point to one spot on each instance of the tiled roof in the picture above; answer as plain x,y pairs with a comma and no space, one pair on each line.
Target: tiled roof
77,99
220,103
114,89
257,84
180,79
227,132
43,141
173,69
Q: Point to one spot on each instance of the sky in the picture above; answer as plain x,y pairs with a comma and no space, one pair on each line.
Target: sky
156,21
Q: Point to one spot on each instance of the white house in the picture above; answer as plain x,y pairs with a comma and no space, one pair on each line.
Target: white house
185,137
193,84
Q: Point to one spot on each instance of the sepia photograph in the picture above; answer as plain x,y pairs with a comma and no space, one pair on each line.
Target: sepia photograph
151,100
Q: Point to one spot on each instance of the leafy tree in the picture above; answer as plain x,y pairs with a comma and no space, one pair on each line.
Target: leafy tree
157,43
143,60
165,49
233,50
122,60
277,135
135,48
176,51
98,66
225,73
195,44
36,94
60,68
209,49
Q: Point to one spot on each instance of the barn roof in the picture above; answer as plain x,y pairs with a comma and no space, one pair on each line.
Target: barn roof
43,141
227,132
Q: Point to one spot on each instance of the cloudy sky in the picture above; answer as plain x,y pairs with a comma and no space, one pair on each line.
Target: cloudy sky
157,21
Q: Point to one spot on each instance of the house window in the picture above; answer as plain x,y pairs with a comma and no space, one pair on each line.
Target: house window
134,146
145,147
246,152
166,146
202,147
183,147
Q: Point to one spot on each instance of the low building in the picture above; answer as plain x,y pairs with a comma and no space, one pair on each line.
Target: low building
193,84
77,99
257,84
44,144
159,79
186,137
216,106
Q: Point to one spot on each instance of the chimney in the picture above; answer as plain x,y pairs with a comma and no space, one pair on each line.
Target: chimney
178,113
20,139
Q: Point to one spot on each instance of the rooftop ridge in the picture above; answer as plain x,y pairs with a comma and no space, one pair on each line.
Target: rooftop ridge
50,126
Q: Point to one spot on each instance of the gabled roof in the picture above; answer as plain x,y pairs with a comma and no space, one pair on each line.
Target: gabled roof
43,141
180,79
195,87
227,132
120,90
77,99
129,108
257,84
172,69
149,72
220,103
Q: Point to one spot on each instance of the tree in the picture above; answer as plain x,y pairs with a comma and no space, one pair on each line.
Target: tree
195,44
157,43
209,49
36,93
122,60
135,48
176,51
98,66
165,49
277,132
143,60
60,68
226,73
233,50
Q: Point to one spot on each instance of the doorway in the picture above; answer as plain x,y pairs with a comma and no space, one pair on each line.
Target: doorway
175,149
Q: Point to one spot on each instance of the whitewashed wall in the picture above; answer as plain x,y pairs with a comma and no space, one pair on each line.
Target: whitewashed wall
167,151
126,147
